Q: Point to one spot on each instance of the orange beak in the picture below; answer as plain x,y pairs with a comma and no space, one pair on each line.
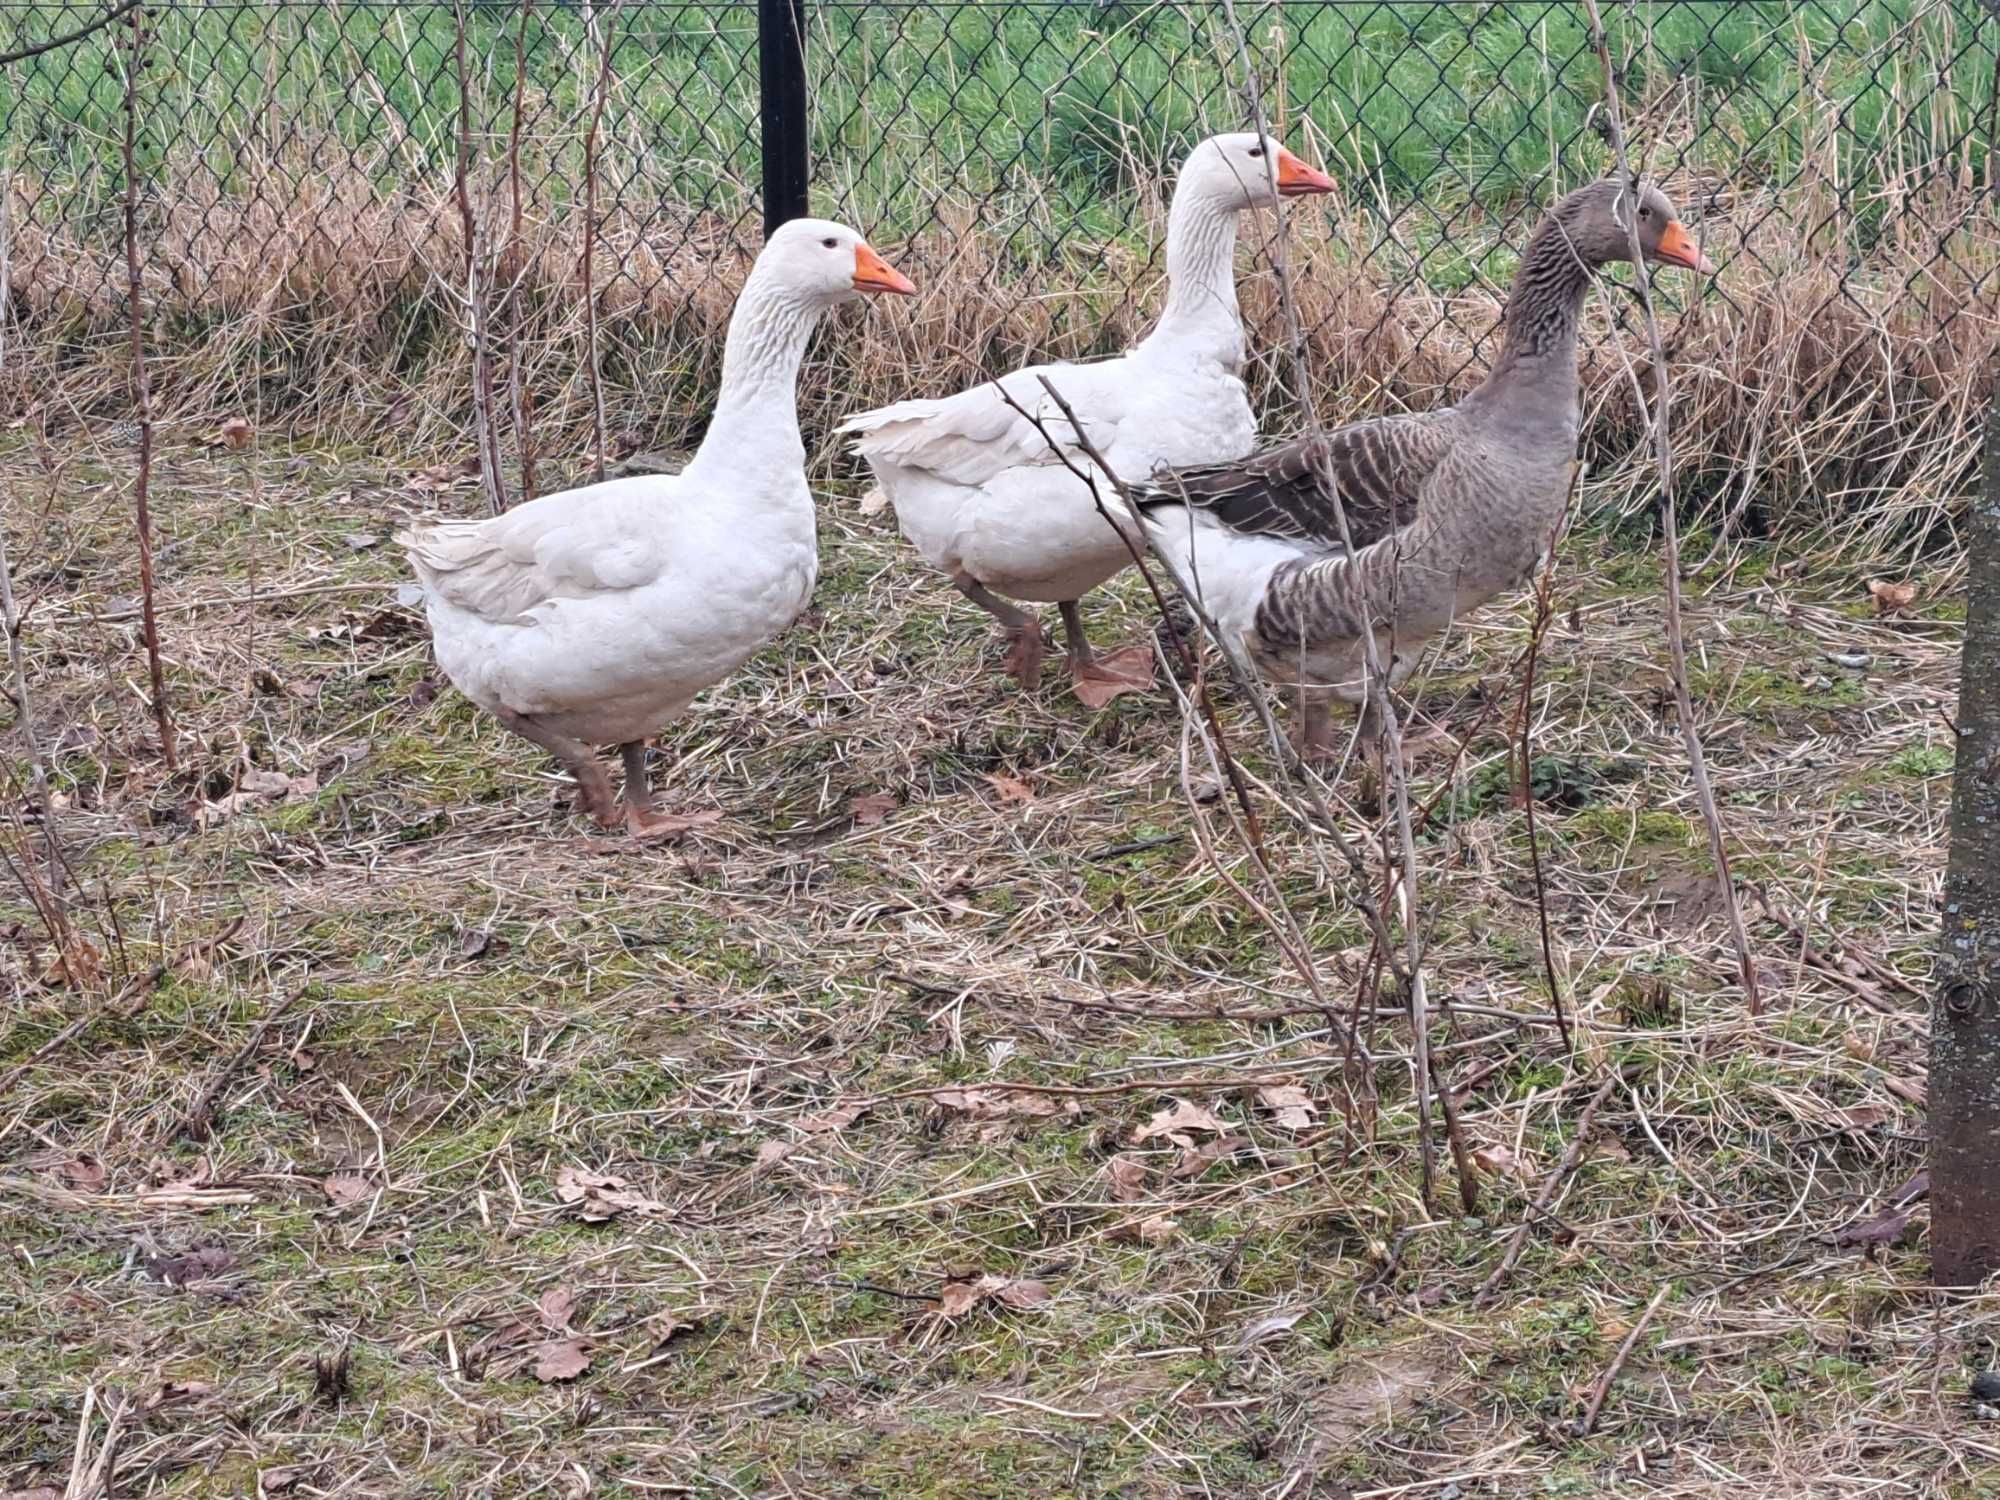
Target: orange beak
874,274
1678,246
1297,180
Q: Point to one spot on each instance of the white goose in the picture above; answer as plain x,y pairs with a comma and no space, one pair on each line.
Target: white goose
978,492
593,616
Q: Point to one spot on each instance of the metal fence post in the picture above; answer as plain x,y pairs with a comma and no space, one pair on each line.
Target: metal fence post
781,82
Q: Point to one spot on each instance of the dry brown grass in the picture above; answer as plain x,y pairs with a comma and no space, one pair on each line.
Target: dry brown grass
1826,381
479,995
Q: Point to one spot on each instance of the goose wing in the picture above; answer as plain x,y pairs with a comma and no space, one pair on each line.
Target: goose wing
1377,468
602,539
973,436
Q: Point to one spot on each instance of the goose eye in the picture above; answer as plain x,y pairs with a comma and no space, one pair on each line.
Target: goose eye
1645,213
1255,152
831,244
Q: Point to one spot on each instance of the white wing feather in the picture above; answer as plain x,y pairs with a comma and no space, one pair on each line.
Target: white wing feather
973,436
566,546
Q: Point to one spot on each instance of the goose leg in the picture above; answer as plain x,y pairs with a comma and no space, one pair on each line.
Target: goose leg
1023,631
1099,679
643,818
593,786
1314,736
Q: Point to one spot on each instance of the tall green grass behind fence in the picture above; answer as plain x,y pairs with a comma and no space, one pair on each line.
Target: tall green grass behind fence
297,163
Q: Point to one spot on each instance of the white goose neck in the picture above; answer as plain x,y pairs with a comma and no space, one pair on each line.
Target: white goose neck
1201,317
756,421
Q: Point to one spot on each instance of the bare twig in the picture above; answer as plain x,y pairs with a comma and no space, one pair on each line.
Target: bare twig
1376,678
476,279
520,402
1587,1423
123,8
142,397
1545,1195
1664,460
199,1122
1525,735
593,362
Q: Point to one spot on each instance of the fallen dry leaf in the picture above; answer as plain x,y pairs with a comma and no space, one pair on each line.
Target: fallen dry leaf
277,1481
836,1119
78,964
1159,1230
561,1359
1175,1122
195,1265
1127,1177
871,809
1886,1228
599,1196
1864,1116
344,1188
1005,1104
1499,1161
771,1153
40,1492
234,434
1291,1106
1196,1160
175,1390
875,501
1010,788
557,1306
960,1297
84,1173
1892,598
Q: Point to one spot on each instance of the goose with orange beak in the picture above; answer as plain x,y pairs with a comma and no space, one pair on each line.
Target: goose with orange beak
595,616
981,496
1403,524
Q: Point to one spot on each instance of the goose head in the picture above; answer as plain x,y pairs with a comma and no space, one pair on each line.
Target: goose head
826,263
1596,220
1238,171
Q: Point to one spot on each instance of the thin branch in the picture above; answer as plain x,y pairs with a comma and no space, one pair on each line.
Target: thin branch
485,429
1547,1192
520,400
1375,674
123,8
1587,1424
593,363
1663,459
142,396
1525,735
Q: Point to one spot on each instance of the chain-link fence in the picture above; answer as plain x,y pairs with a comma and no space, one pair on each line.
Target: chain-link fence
300,166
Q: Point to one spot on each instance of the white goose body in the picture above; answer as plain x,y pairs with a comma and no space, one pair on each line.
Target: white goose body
595,616
976,489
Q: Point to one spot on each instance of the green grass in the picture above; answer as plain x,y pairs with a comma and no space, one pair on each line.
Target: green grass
1416,101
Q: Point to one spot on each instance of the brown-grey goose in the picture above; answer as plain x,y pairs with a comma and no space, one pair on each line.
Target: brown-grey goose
1446,508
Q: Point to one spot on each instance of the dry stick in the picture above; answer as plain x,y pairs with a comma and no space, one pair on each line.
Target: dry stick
485,428
199,1122
125,7
1293,942
1663,459
598,91
517,397
1376,679
142,398
1546,1194
1588,1422
1526,728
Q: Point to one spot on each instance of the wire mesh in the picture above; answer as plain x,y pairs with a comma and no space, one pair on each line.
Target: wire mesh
293,149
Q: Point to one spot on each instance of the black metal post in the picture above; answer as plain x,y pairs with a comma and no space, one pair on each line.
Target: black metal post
781,79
